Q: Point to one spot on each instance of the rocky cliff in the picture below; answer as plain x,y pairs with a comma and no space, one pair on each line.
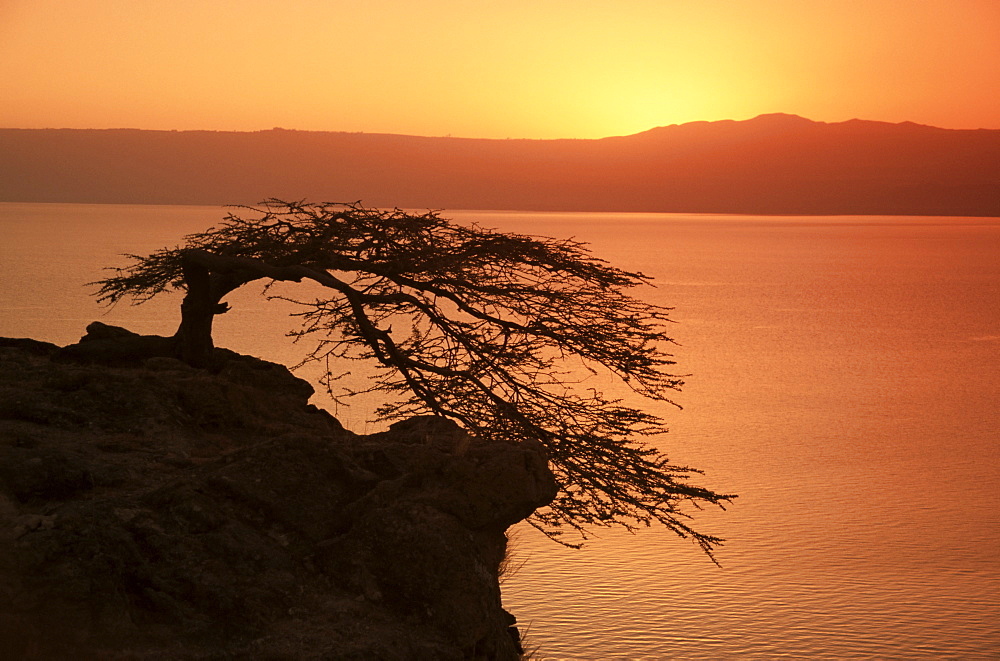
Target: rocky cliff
149,510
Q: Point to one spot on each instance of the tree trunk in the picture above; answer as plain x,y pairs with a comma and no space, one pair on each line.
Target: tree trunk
198,310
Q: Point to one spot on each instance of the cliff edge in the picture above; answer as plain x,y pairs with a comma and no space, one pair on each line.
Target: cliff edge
149,510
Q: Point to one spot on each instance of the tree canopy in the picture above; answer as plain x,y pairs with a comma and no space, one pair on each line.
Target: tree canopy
496,331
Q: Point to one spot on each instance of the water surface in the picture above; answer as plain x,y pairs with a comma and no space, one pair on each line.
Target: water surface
844,381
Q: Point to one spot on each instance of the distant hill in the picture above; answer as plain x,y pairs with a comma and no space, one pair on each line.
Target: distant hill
772,164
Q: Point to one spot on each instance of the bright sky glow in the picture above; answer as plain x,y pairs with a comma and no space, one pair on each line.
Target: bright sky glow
474,68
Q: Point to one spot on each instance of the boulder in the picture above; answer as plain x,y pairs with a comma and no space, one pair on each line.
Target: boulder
149,510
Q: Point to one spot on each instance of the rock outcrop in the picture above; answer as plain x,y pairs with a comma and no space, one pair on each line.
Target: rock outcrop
149,510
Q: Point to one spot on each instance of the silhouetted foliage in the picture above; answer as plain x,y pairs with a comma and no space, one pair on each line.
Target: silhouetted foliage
499,332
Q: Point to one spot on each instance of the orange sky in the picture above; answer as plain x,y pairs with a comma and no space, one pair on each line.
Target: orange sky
495,69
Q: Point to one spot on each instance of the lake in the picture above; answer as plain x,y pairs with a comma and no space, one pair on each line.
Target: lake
844,377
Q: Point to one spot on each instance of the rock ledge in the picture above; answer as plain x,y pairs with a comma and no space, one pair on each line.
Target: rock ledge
149,510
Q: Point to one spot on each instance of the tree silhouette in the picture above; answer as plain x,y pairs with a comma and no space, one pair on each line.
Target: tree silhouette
500,332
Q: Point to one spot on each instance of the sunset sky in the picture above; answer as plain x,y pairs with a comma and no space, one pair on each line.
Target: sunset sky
512,68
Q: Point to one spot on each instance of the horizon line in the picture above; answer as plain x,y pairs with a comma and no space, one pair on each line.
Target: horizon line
783,115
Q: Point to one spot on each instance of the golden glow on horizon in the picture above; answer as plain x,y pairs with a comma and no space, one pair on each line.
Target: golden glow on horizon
519,69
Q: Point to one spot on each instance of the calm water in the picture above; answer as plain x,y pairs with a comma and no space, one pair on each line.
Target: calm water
845,377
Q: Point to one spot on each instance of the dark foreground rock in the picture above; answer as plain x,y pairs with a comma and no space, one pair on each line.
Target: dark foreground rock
149,510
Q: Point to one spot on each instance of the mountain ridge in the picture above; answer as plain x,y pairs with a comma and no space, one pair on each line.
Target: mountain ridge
771,164
763,117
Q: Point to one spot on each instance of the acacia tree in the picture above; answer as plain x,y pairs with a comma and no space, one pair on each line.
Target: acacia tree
493,330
